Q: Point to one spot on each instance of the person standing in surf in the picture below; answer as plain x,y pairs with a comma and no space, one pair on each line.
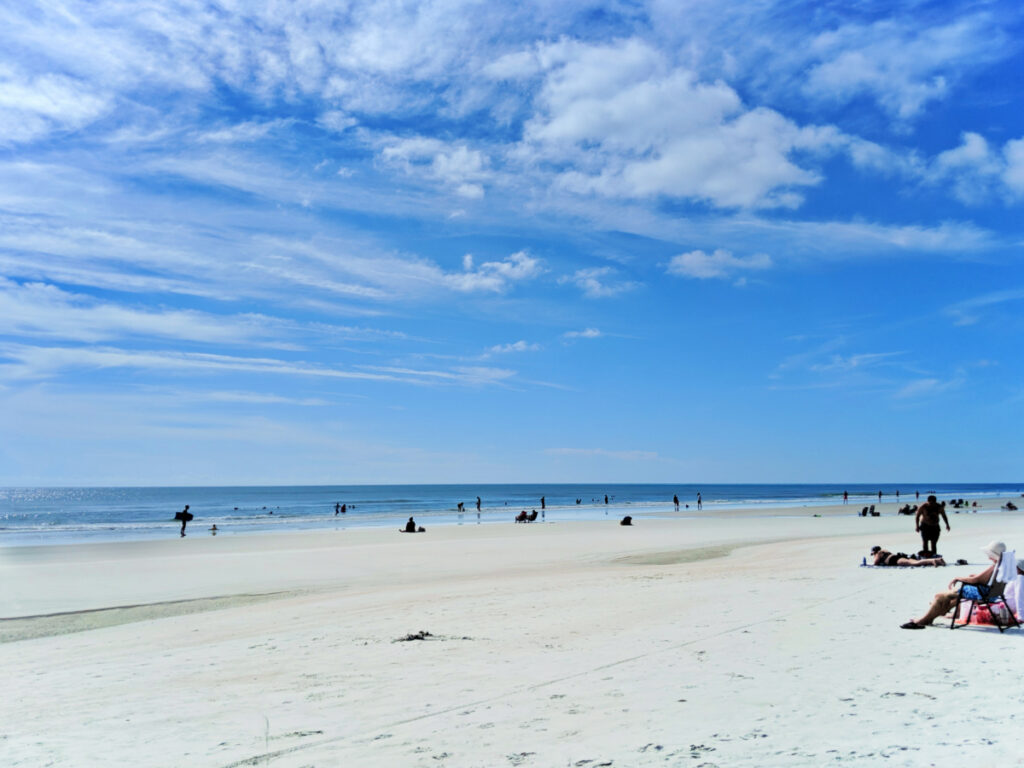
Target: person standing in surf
184,516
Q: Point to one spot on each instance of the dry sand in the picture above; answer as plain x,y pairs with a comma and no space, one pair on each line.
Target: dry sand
726,640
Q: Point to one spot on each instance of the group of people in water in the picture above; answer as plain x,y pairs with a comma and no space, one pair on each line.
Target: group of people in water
341,508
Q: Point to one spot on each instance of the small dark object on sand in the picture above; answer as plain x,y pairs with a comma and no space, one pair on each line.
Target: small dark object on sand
421,635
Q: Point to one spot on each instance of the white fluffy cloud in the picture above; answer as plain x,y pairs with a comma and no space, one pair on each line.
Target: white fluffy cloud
976,171
454,165
494,276
718,264
336,120
629,123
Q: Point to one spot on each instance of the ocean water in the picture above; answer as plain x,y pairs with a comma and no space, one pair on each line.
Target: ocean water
66,515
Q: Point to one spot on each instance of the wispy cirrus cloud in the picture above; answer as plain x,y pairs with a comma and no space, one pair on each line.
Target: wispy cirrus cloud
42,310
32,107
968,311
929,387
586,333
900,63
515,346
247,131
253,398
846,363
604,453
22,361
598,282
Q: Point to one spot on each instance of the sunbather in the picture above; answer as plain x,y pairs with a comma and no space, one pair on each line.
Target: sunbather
974,588
885,557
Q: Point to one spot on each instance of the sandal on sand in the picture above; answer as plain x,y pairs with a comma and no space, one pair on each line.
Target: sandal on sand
912,625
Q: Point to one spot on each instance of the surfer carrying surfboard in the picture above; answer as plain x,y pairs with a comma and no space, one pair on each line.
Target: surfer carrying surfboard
184,516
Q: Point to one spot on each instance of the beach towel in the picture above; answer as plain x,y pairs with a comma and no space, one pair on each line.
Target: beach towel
981,615
1007,570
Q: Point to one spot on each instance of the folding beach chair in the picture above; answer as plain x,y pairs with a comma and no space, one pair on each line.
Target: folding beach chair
1005,570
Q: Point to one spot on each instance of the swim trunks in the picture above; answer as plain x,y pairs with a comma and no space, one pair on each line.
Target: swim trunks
930,531
971,592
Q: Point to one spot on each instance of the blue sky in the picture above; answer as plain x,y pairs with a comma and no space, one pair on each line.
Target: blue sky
360,242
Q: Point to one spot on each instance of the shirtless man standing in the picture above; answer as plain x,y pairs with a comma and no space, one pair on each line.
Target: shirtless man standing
927,524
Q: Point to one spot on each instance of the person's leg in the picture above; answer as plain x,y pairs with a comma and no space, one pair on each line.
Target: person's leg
930,537
930,561
943,602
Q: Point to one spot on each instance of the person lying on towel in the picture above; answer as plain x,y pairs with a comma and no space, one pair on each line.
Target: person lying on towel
885,557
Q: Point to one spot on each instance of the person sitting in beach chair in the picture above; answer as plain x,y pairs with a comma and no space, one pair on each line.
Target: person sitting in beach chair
522,517
984,587
990,596
884,557
532,517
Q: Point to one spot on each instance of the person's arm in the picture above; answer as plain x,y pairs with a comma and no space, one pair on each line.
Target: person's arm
946,519
976,579
917,519
880,556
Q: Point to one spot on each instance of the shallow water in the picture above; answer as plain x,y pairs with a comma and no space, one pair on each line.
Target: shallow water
66,515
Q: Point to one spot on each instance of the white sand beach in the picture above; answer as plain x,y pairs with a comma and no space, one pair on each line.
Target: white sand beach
725,640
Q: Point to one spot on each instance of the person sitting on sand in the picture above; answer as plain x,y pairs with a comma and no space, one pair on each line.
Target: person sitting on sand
902,559
410,527
627,520
974,588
